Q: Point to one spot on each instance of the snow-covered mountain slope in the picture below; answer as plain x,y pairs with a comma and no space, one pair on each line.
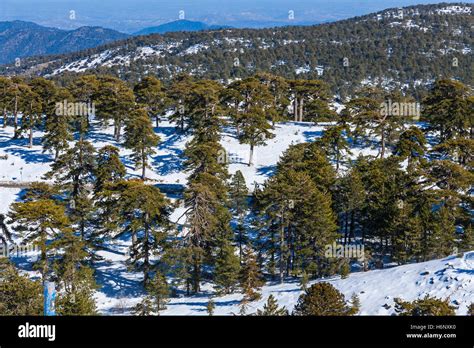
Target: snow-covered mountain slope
407,47
23,164
451,277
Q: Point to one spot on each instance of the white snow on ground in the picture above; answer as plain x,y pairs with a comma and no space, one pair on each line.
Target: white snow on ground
8,196
451,277
25,164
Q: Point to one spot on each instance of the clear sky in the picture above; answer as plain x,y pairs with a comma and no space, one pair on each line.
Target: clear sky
132,15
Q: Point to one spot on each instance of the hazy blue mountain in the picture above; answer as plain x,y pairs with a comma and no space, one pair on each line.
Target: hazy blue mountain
20,39
180,25
130,16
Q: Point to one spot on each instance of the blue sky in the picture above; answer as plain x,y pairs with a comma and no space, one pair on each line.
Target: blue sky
132,15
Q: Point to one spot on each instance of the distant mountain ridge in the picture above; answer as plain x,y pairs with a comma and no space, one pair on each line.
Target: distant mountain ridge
399,48
19,39
180,25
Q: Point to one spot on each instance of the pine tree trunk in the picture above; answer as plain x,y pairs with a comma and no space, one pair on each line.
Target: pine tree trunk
5,118
117,131
44,269
143,164
295,108
251,155
146,262
134,241
15,119
31,138
352,226
382,151
301,109
346,230
240,245
282,242
196,276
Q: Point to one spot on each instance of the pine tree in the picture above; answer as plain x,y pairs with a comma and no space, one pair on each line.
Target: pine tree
18,94
39,222
251,280
411,145
309,158
156,299
304,280
271,308
158,290
349,202
150,94
449,110
75,278
322,299
355,301
255,103
74,173
41,190
279,89
140,138
31,109
207,226
179,94
144,307
238,193
116,102
427,306
255,130
211,306
142,211
335,143
226,273
58,127
19,295
84,89
310,98
5,97
110,168
300,223
204,107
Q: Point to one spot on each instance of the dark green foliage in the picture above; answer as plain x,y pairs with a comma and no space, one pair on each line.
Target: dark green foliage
450,110
75,278
142,211
141,139
251,279
271,308
211,305
156,299
150,93
74,172
427,306
226,273
322,299
19,295
39,222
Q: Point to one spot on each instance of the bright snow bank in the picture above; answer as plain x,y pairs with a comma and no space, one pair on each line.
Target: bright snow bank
19,163
451,277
